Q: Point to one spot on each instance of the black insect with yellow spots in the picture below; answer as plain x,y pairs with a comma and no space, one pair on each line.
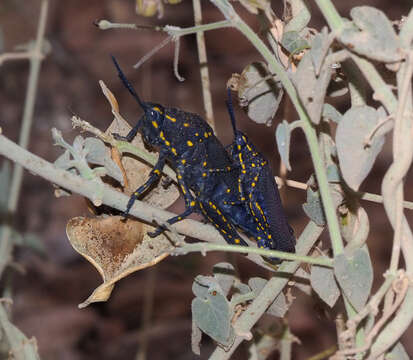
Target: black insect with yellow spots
202,165
259,192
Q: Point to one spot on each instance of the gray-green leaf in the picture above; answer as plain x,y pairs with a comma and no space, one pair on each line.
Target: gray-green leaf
224,273
313,207
212,315
355,157
300,15
312,89
5,173
398,352
372,35
293,42
283,137
355,276
324,284
260,92
330,112
319,49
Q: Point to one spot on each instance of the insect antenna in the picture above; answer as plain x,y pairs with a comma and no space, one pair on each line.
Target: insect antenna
230,109
128,85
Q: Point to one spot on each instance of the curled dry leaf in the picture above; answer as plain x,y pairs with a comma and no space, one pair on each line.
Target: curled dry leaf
116,248
137,171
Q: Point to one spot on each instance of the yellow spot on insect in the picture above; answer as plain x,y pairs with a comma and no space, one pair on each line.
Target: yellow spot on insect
161,135
214,206
253,184
230,236
186,124
237,241
262,247
179,177
259,237
204,164
253,165
196,134
219,212
170,118
209,202
179,217
174,151
183,161
167,143
269,236
135,193
192,203
239,147
228,168
155,124
223,231
256,178
243,138
249,147
190,143
156,171
243,199
250,196
157,109
228,190
206,134
210,133
244,171
204,174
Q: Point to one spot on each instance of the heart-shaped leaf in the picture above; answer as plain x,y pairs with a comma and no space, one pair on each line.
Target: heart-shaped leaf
355,276
312,88
324,284
313,207
260,92
213,316
372,35
224,273
355,156
283,137
319,49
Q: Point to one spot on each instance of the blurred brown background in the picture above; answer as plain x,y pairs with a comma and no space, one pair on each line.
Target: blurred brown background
47,288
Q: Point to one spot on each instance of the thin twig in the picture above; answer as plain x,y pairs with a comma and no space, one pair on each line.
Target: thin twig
16,56
203,248
203,65
6,246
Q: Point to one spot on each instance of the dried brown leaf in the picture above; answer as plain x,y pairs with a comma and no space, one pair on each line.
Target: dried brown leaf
116,248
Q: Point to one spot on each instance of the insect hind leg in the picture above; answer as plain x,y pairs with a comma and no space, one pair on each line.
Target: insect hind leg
161,228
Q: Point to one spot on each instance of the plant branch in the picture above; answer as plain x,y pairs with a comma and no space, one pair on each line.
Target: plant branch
203,248
6,246
203,63
271,290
